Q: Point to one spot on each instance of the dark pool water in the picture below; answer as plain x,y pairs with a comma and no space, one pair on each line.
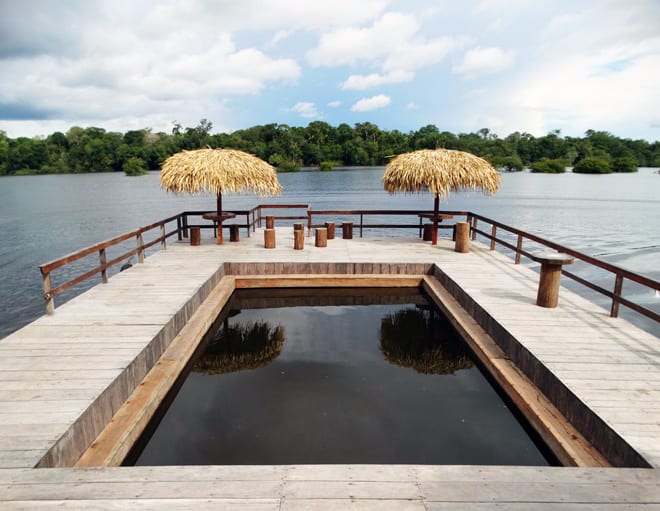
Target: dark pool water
335,379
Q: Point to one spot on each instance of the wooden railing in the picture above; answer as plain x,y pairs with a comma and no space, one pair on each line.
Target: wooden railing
253,219
358,218
619,274
104,264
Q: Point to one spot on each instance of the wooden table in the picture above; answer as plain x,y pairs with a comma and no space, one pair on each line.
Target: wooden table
218,218
435,219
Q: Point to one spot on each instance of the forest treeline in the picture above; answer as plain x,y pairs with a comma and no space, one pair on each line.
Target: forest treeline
318,144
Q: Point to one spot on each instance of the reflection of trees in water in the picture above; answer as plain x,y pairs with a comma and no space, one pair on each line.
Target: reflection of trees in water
240,347
422,340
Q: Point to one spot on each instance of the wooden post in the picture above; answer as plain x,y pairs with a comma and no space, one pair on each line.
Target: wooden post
163,246
218,232
104,271
551,263
269,238
195,236
618,287
462,237
299,226
270,222
427,232
347,230
519,248
474,228
233,232
50,299
330,227
140,248
299,239
321,237
493,235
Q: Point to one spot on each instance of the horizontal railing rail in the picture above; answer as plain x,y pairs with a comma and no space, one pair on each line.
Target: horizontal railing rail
361,225
518,242
100,248
620,274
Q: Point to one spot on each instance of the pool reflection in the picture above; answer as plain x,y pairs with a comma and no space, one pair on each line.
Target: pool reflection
338,381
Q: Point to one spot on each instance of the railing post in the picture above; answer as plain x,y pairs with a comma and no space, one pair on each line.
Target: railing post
185,225
50,299
309,221
179,227
493,235
618,286
140,248
361,222
519,248
163,245
104,271
474,228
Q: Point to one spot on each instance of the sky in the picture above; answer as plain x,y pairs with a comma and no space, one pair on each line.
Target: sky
531,66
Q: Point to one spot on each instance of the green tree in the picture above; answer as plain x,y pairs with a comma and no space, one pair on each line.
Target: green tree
549,166
624,164
134,167
512,163
593,166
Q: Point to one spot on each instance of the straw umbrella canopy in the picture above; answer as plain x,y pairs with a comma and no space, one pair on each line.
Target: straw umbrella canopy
218,171
440,171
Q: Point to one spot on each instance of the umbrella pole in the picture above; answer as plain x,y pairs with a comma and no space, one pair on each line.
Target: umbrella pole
436,209
219,223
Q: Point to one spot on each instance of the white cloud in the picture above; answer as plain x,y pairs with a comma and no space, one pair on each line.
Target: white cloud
412,106
305,109
372,103
484,61
351,45
280,35
334,104
363,82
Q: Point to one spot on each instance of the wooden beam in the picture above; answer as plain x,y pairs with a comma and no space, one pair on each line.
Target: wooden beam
337,280
562,438
116,440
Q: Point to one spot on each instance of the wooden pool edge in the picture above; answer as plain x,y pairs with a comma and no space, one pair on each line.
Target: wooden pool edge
600,435
115,441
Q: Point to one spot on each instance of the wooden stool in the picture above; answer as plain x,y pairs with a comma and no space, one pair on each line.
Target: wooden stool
428,232
233,232
330,227
347,230
321,237
551,263
270,222
462,237
269,238
195,236
298,239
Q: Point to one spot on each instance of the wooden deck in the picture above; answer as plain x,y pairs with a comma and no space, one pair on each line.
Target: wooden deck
64,376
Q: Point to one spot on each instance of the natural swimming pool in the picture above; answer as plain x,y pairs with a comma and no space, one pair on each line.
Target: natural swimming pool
299,376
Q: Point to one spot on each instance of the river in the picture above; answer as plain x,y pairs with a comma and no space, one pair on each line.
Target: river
613,217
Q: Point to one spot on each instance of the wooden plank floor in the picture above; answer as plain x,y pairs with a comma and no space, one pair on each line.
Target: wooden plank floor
330,487
52,370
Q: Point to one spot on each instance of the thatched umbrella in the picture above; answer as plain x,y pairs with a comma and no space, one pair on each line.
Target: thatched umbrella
218,171
440,171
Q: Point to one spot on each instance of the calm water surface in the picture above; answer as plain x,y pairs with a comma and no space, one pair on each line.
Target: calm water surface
346,384
614,217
